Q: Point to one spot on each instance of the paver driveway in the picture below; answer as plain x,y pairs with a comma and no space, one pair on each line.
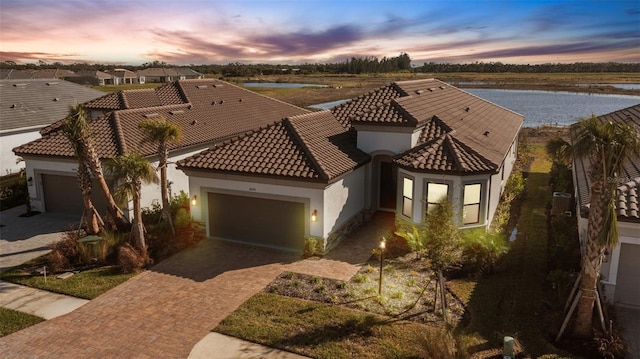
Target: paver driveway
165,311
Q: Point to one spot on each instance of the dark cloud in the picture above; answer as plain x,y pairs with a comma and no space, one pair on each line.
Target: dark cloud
307,42
35,56
560,49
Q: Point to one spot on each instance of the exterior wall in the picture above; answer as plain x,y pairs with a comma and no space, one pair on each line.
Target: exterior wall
8,141
345,202
275,189
394,142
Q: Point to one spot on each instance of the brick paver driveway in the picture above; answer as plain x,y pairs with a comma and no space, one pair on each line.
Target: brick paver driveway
165,311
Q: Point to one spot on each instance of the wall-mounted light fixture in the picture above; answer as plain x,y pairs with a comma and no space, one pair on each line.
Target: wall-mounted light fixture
194,200
30,181
314,215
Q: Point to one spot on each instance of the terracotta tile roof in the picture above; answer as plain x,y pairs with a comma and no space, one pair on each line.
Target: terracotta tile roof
312,146
480,132
168,94
212,111
443,152
627,201
11,74
39,102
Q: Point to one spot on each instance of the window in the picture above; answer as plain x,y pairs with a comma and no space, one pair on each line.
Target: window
471,204
407,197
436,192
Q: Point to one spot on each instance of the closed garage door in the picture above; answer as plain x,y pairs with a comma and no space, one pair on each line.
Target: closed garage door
260,221
628,281
62,195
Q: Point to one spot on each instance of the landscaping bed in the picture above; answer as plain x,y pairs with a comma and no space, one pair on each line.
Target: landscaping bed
408,291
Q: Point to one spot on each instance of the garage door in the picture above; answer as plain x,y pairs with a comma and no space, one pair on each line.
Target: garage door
62,195
259,221
628,281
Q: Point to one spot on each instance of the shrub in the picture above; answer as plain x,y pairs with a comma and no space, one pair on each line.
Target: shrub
13,191
313,246
610,346
66,252
481,250
129,259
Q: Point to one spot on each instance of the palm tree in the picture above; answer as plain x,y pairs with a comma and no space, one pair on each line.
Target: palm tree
607,145
162,132
79,134
76,131
132,169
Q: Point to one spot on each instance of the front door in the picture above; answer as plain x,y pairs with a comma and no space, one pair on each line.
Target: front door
387,186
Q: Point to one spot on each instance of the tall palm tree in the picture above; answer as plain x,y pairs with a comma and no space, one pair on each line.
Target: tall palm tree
607,145
80,137
76,131
163,133
132,170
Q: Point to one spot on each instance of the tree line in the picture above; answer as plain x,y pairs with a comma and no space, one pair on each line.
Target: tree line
352,65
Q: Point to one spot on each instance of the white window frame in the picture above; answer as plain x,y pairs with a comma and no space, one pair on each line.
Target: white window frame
407,196
430,203
466,204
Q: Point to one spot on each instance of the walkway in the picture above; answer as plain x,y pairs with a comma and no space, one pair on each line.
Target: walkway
164,312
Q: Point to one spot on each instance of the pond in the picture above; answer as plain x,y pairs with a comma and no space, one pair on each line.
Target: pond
280,85
544,107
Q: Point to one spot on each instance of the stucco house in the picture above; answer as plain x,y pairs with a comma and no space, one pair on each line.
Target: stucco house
620,270
164,75
91,77
401,148
208,111
269,173
28,105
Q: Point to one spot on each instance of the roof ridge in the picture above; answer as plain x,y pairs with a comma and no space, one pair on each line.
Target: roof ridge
289,125
114,120
177,84
457,156
467,148
123,99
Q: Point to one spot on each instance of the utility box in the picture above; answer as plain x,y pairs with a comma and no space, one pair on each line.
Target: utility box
561,203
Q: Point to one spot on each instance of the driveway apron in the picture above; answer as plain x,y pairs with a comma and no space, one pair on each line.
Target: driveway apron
163,312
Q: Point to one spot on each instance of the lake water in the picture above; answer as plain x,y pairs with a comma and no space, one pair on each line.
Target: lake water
545,107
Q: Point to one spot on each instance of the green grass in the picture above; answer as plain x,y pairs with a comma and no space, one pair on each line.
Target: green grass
323,331
88,284
12,321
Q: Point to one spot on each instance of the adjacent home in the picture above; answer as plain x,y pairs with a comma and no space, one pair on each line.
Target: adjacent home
164,75
91,77
28,105
401,148
208,111
620,270
264,172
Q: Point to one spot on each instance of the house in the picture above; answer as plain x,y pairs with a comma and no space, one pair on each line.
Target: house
91,77
164,75
28,105
265,172
620,271
124,77
401,148
208,111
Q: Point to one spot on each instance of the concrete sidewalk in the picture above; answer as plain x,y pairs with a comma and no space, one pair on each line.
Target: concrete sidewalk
37,302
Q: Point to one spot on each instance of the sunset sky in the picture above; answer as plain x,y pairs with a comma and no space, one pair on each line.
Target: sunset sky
184,32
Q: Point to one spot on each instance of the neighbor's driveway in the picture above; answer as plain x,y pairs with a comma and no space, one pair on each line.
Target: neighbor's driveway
165,311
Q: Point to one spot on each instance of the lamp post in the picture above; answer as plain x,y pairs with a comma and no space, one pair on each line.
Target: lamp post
383,245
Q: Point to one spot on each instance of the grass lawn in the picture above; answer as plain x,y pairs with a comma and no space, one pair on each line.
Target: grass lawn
87,284
324,331
12,321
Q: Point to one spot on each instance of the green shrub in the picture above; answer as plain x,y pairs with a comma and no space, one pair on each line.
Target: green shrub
313,246
13,191
481,250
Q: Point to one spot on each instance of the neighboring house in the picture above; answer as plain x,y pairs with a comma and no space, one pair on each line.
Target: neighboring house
621,268
208,111
124,77
28,105
91,77
401,148
51,73
164,75
11,74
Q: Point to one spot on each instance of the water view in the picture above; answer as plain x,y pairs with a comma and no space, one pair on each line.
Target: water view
545,107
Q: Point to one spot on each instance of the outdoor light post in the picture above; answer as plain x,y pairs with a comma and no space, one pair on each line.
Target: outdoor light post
382,247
